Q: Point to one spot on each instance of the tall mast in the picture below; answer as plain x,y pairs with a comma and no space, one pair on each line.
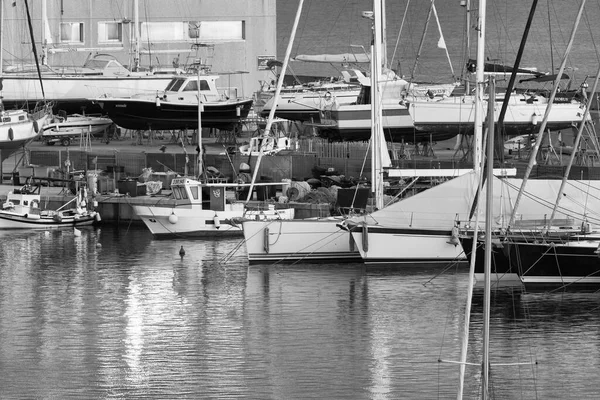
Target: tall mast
286,60
479,88
136,35
377,139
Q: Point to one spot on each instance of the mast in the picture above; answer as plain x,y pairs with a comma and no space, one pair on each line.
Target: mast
540,136
378,144
136,35
200,149
286,60
479,88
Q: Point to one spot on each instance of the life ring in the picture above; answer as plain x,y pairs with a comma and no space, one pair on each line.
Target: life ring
35,204
36,127
11,134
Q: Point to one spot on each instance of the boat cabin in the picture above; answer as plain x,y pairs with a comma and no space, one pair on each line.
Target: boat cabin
186,88
190,192
22,202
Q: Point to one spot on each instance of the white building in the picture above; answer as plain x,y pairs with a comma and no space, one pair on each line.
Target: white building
231,37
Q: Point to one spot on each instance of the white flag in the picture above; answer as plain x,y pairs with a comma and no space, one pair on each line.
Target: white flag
441,43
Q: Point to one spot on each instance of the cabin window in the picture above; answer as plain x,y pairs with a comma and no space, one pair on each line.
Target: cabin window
217,30
16,202
177,193
195,193
6,119
110,32
21,118
193,86
175,84
71,32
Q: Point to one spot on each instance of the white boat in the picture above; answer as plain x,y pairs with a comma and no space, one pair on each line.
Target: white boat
320,239
274,142
525,111
64,128
73,88
203,209
305,102
23,209
352,121
18,128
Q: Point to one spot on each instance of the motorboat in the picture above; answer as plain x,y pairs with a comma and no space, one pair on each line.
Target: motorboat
205,209
177,105
23,209
65,128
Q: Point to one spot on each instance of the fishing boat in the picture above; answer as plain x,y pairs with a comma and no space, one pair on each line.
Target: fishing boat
23,209
65,128
175,107
204,209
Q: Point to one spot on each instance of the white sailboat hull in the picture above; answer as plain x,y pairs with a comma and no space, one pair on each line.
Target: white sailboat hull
384,246
294,240
457,115
19,129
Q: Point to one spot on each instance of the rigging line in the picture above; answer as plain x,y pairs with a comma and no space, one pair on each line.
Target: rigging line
399,34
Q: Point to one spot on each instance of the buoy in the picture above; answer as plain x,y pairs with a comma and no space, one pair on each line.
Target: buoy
173,218
157,101
365,238
11,133
97,217
181,252
350,242
217,222
454,237
266,240
36,127
534,119
98,244
77,232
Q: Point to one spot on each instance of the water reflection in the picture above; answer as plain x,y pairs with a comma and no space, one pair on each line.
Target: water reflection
113,313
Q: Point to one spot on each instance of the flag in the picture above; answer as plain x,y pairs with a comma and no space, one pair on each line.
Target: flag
441,43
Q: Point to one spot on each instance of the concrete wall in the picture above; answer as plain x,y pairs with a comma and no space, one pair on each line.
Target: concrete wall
259,17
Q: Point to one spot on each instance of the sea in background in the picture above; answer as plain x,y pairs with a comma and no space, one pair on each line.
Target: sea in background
115,314
336,26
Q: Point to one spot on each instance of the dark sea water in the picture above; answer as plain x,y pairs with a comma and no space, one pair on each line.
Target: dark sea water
115,314
334,26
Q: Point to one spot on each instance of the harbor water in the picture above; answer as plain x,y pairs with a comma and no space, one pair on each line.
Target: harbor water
112,313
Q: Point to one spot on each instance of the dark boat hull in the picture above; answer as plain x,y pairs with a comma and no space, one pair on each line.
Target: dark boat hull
556,263
151,115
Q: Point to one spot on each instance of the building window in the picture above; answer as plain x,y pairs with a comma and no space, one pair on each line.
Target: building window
217,30
71,32
204,31
110,32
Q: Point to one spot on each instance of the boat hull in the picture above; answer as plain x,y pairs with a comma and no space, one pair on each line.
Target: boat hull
352,122
194,222
314,240
145,114
15,135
74,93
8,221
77,126
501,268
573,262
381,246
455,116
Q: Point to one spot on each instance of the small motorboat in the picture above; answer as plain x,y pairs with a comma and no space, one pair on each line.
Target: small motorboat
64,129
23,210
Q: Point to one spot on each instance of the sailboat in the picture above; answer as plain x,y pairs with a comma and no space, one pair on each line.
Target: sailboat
72,88
18,127
322,239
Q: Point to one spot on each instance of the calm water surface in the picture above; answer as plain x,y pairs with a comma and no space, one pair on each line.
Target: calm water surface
115,314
